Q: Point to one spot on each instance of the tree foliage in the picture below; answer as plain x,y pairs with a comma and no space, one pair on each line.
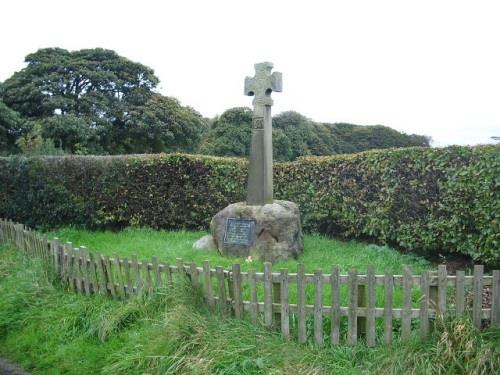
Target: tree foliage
34,144
229,134
11,124
163,125
94,83
93,89
93,101
294,135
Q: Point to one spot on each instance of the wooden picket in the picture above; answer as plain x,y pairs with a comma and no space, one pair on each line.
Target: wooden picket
351,309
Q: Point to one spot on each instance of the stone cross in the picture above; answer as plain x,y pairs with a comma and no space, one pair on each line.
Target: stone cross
260,172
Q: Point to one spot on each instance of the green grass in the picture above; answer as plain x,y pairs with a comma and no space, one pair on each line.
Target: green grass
319,252
51,331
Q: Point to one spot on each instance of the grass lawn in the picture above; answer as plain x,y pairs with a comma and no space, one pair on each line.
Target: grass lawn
320,252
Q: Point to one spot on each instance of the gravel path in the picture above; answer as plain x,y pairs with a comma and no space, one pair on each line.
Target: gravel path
7,368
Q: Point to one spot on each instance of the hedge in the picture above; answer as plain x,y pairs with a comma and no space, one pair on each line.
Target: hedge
434,201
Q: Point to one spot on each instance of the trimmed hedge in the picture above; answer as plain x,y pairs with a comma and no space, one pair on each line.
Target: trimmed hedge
434,201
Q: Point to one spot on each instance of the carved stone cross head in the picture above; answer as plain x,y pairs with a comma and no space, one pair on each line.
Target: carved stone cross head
263,84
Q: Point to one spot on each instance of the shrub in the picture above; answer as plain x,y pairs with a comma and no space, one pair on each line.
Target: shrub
434,201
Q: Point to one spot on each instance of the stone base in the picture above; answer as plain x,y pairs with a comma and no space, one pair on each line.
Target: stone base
278,232
205,243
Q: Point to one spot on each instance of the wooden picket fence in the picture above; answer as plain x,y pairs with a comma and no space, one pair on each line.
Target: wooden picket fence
351,306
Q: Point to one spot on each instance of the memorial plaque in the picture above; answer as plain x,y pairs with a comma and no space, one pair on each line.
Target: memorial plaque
239,231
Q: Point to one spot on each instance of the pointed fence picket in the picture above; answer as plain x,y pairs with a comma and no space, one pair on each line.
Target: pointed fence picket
356,307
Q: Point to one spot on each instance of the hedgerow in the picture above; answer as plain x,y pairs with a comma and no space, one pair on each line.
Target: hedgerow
434,201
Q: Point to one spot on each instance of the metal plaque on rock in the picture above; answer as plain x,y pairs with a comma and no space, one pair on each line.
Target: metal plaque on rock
239,231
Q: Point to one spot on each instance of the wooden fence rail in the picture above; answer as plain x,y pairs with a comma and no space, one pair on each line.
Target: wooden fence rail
322,307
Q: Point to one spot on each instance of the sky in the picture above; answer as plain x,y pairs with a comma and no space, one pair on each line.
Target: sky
421,67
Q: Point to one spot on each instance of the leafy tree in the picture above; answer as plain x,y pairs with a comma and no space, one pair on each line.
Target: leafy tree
95,101
71,133
355,138
282,146
11,125
163,125
295,135
96,85
302,135
33,143
229,134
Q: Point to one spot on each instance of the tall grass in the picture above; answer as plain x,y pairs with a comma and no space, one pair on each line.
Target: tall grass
51,331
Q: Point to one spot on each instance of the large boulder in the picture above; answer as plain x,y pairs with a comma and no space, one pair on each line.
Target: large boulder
275,233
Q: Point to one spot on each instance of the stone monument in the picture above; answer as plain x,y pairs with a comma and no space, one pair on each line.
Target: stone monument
261,227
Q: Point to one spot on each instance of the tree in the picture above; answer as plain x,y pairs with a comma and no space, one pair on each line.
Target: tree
229,134
11,125
96,85
163,125
33,143
356,138
71,133
301,133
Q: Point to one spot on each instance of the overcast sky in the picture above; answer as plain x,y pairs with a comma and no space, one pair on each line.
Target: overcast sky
424,67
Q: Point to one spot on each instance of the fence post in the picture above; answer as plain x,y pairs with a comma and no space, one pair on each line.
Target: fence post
406,313
285,308
59,253
433,299
335,314
424,305
128,277
138,278
268,294
101,274
119,277
230,291
71,266
362,302
495,303
78,273
301,304
277,300
156,271
460,293
370,312
254,303
108,269
208,284
86,270
222,290
388,300
442,289
318,307
237,297
352,322
477,303
148,283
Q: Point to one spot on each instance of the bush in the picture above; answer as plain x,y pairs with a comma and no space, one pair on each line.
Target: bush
434,201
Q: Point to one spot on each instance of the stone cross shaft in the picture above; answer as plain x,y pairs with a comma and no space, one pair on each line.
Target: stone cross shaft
260,173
